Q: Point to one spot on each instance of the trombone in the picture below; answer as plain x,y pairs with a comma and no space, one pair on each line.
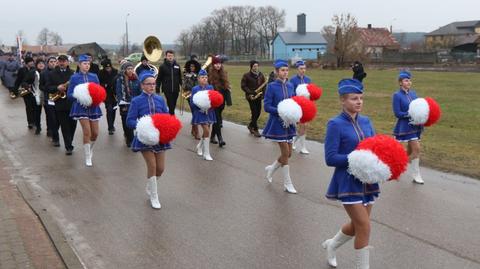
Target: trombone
259,91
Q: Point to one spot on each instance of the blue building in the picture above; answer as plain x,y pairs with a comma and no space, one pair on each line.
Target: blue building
300,44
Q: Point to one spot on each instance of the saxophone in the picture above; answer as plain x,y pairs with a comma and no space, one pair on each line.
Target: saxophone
59,94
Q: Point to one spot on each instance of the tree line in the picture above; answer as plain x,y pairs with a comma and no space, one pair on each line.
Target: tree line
233,30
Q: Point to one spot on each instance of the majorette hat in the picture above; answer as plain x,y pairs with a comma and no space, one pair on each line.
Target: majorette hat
424,111
159,128
311,91
207,99
377,159
296,109
89,94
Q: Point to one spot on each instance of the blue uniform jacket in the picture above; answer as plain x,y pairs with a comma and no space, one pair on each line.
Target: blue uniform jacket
276,92
77,109
198,116
297,80
342,137
400,102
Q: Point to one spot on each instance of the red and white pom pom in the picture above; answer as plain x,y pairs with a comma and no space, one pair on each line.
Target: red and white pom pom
377,159
159,128
424,111
310,91
296,109
207,99
89,94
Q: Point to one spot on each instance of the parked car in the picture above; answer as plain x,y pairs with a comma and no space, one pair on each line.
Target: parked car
134,57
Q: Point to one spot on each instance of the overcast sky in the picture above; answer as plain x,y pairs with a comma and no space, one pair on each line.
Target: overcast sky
103,21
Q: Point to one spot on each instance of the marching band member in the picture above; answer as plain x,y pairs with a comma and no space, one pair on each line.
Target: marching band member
148,103
250,82
38,94
343,134
107,79
274,129
203,118
49,110
300,78
190,80
169,79
143,67
218,78
87,116
25,79
56,83
405,132
127,86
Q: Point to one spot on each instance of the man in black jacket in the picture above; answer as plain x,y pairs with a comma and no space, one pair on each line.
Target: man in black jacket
169,79
25,80
56,83
107,77
49,108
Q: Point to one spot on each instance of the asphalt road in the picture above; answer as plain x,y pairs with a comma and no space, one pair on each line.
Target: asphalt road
223,214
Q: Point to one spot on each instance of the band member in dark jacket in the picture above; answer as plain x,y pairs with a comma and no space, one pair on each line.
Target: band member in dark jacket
190,80
218,78
143,67
169,79
25,80
107,79
250,82
56,82
49,109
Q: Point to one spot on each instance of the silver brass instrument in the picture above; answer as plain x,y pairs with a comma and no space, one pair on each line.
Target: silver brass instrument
152,49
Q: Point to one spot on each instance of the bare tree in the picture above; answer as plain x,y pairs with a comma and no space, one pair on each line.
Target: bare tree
55,38
269,20
21,35
42,38
344,34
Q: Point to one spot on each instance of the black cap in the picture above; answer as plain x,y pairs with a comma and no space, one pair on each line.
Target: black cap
28,59
62,58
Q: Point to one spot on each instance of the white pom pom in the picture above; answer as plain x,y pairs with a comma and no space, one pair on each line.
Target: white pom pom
302,90
146,131
290,112
81,93
202,100
367,167
418,111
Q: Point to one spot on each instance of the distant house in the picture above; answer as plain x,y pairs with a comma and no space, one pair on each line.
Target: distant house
300,44
93,48
376,41
456,36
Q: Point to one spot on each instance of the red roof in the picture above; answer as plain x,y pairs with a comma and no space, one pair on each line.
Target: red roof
377,37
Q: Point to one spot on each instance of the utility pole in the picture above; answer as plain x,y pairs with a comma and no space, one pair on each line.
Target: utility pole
126,34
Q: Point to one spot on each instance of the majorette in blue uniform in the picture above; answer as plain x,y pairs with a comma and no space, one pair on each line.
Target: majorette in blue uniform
400,102
343,135
78,111
276,92
297,80
199,116
146,104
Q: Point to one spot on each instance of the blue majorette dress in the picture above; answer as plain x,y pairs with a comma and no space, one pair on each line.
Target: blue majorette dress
297,80
78,111
141,105
343,136
274,130
404,131
199,116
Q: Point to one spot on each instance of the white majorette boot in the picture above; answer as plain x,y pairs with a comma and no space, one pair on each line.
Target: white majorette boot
415,169
332,244
206,150
270,169
362,260
152,191
303,147
91,149
294,143
287,181
200,147
88,155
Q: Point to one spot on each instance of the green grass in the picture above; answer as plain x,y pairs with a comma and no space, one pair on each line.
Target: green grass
451,145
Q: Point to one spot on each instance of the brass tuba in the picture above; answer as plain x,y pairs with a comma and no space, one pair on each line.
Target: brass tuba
152,49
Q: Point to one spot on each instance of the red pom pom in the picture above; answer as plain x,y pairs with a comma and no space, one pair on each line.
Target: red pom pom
216,98
389,151
315,91
97,92
309,109
168,126
435,112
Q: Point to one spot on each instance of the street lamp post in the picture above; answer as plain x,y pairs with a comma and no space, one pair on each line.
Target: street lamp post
126,34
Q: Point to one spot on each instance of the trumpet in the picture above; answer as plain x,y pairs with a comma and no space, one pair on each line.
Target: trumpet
259,91
24,91
59,94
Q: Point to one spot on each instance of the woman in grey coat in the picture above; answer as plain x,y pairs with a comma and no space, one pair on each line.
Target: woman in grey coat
9,75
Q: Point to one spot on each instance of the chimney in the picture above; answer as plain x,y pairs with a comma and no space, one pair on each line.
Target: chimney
369,26
302,23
